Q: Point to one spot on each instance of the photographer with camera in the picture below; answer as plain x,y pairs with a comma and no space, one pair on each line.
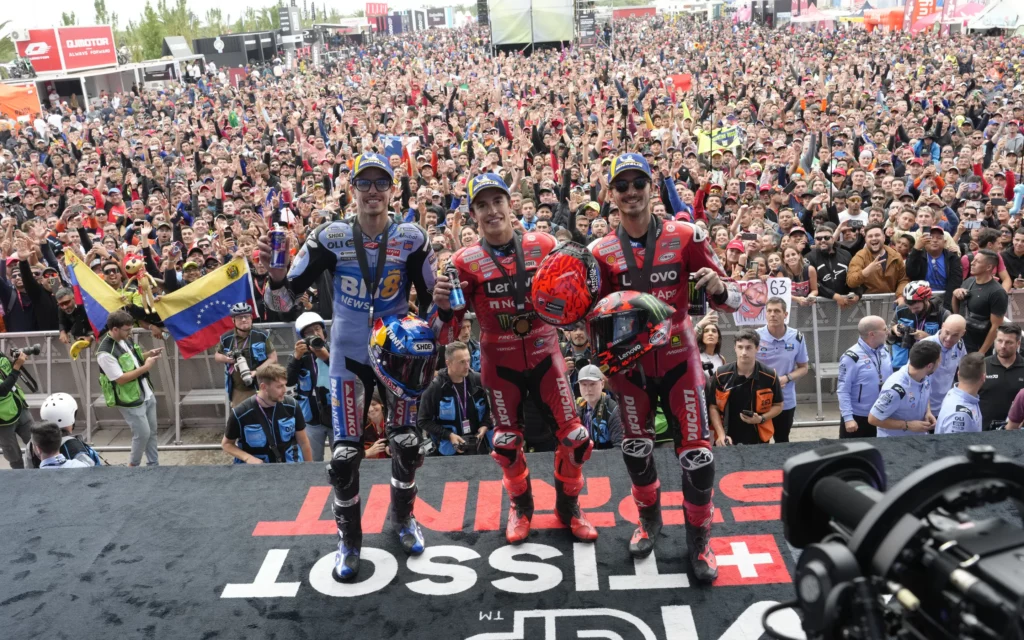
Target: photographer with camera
14,415
577,354
242,351
124,378
454,409
309,374
922,316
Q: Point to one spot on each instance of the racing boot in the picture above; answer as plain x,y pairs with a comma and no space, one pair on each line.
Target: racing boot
698,538
568,509
346,560
519,515
411,536
648,506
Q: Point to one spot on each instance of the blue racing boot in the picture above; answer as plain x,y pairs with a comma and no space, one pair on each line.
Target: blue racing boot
346,561
411,536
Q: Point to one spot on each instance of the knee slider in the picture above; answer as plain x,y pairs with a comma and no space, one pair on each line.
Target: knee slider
343,470
406,442
578,443
508,447
694,459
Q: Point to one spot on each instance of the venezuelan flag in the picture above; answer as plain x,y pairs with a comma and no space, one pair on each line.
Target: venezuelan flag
92,292
198,314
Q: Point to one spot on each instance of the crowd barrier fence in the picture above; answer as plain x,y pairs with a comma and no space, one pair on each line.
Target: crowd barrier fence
187,389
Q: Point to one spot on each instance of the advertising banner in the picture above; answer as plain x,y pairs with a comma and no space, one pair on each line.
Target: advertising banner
587,29
435,17
87,47
376,9
420,19
42,50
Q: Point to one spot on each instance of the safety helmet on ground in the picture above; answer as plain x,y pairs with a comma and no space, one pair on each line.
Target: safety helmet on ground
241,309
306,320
626,325
566,285
59,408
917,291
403,354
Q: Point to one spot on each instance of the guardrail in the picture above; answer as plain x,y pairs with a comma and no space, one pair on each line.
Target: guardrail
186,389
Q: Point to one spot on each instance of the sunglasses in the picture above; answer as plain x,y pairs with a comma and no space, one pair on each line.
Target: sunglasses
110,272
382,184
820,238
622,186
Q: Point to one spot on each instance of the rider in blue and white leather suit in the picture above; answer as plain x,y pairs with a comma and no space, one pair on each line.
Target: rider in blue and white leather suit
409,261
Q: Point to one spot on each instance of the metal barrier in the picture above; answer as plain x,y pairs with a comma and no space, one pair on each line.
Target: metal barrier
194,385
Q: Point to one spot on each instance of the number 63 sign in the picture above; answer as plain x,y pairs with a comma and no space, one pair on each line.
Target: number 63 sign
756,294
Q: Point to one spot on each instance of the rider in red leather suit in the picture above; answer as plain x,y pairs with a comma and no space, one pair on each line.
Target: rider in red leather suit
519,354
672,375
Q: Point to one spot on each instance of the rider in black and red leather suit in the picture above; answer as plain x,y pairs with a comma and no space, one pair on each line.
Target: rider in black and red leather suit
519,354
670,377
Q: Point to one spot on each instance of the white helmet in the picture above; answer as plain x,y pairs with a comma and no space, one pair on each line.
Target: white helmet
60,408
307,319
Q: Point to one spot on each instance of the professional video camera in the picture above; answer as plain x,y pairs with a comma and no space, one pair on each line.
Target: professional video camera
949,576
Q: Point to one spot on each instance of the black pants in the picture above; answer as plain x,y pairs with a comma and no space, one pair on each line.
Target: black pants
783,424
864,430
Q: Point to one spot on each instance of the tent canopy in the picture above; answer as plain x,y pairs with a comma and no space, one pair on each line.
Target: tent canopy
1003,14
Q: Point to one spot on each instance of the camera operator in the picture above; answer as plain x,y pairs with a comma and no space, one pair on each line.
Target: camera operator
124,378
960,411
863,370
268,426
599,413
14,415
454,409
242,351
921,316
309,374
902,407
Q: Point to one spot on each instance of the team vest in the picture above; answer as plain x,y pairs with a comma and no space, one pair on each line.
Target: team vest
12,403
763,394
129,394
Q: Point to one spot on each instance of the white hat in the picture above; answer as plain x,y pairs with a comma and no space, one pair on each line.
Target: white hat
590,372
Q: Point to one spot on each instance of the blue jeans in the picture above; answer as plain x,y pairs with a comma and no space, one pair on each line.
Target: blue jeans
317,434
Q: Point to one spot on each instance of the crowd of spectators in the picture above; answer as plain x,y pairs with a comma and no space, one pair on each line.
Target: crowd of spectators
856,163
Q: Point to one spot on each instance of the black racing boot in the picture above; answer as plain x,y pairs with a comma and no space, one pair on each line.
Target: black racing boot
646,533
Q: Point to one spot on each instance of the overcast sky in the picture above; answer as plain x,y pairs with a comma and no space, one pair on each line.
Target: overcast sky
27,15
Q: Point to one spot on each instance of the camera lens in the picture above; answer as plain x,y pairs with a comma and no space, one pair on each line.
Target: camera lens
315,343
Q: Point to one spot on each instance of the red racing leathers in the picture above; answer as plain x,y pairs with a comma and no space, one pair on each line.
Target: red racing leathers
513,364
670,377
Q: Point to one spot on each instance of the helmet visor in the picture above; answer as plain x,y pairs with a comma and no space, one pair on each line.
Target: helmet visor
412,372
613,330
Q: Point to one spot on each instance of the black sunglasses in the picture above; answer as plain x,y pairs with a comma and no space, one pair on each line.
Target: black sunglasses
622,186
110,272
382,184
819,238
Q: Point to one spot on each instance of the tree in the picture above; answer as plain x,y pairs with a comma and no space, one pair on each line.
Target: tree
102,15
68,19
7,49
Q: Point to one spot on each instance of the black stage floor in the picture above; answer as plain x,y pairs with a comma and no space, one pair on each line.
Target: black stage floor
246,552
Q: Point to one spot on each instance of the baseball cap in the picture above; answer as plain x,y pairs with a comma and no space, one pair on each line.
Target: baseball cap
371,161
486,181
629,162
590,372
113,190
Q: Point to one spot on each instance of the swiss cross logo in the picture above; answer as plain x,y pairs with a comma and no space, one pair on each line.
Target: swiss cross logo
746,560
37,49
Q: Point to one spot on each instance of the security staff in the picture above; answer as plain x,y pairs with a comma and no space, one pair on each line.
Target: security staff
950,339
15,420
961,411
863,370
902,408
784,350
242,351
453,409
309,373
267,427
1004,377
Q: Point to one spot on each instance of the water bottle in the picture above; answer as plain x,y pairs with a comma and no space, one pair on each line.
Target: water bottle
456,298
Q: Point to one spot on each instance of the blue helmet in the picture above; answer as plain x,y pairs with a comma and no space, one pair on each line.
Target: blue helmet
403,354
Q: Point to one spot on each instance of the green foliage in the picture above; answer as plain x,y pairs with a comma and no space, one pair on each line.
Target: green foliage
7,49
68,19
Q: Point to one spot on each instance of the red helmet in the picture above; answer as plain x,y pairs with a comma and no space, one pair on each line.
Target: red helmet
918,290
626,325
566,285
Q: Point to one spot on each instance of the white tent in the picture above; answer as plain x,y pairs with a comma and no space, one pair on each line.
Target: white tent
1002,14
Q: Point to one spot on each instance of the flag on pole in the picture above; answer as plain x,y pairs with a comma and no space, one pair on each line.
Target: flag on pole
200,312
97,297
